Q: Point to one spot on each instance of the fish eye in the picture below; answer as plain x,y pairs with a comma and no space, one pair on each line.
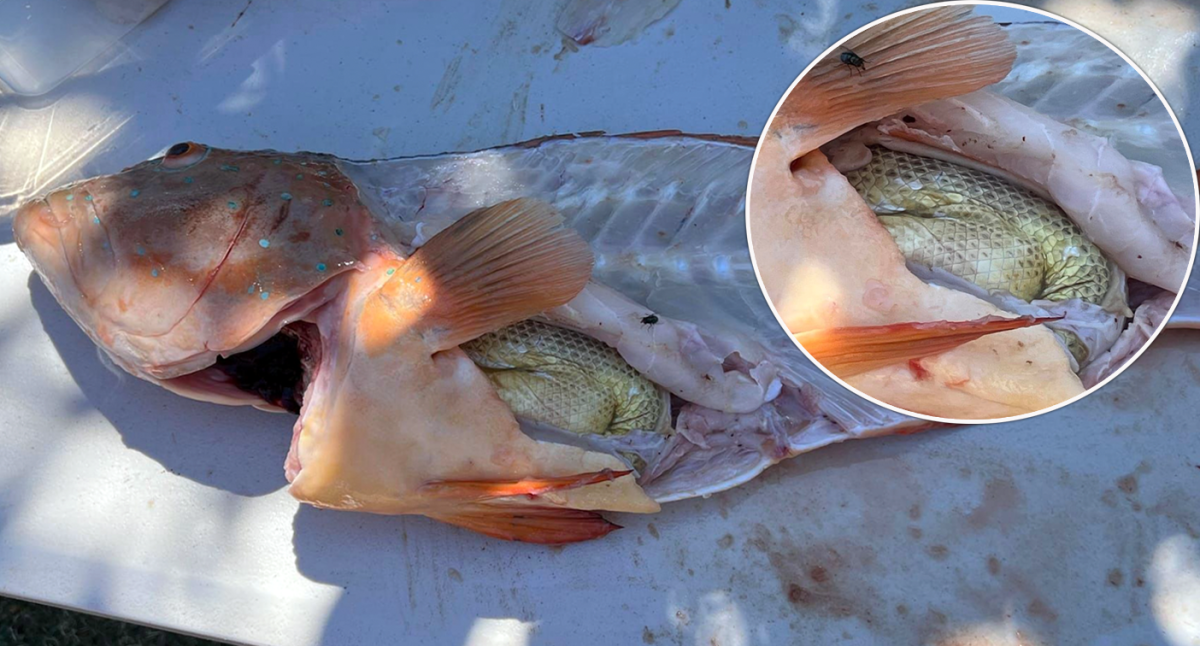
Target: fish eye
184,154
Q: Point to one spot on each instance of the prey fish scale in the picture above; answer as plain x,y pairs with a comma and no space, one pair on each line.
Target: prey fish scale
981,228
568,380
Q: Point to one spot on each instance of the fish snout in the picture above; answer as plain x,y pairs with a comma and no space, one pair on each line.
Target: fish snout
68,255
36,227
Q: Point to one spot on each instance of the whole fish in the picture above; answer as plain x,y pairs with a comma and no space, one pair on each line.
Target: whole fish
453,345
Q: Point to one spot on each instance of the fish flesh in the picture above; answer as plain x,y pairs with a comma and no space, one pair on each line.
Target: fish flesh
827,259
410,310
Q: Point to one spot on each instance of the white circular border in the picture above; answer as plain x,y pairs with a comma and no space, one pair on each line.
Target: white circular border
999,420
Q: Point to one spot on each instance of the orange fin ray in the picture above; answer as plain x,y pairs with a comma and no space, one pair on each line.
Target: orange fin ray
527,523
847,351
911,59
493,267
482,490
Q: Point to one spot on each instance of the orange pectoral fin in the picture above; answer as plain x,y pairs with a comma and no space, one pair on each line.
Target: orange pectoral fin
847,351
527,523
910,59
473,504
493,267
481,490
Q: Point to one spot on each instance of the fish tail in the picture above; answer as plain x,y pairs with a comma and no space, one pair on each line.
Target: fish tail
847,351
911,59
493,267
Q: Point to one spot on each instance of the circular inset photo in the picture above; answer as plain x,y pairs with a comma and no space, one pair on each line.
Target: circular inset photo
972,212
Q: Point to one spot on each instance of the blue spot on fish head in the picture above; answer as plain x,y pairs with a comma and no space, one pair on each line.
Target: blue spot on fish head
264,243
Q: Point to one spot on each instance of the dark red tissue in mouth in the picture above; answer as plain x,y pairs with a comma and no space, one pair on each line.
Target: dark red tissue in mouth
279,369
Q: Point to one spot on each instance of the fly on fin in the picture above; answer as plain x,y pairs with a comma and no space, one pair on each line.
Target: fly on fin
848,351
528,524
915,58
493,267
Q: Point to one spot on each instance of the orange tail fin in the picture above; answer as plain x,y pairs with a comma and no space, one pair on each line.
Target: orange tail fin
481,490
847,351
529,524
911,59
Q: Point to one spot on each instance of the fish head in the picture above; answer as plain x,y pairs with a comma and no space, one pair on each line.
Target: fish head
197,253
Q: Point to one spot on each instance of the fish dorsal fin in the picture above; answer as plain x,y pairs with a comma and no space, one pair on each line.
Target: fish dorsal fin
848,351
493,267
908,60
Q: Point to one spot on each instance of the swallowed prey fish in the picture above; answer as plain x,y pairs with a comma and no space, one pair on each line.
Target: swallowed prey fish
983,229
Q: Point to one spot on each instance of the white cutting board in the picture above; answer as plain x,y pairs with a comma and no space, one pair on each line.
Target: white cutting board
1079,527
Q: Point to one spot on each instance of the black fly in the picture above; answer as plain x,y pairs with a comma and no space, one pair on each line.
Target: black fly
650,319
854,61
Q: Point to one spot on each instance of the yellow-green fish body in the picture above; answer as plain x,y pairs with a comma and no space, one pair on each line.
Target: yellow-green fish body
568,380
981,228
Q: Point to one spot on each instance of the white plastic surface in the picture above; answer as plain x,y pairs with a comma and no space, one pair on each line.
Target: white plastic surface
1078,527
42,42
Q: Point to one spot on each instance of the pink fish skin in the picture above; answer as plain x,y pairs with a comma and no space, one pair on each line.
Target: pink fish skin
180,259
